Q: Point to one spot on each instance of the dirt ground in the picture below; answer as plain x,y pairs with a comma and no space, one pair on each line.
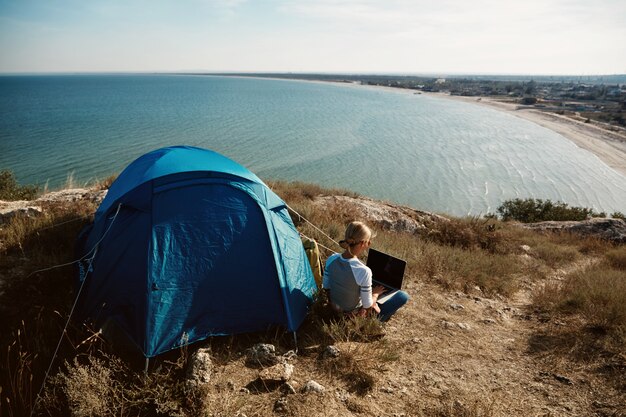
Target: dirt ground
455,354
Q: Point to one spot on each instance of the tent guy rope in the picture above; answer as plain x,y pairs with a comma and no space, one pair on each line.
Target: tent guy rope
315,227
69,317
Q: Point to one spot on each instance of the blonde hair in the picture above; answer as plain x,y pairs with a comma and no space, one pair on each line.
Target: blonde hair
356,232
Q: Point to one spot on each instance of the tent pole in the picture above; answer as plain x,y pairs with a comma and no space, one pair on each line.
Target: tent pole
145,369
295,341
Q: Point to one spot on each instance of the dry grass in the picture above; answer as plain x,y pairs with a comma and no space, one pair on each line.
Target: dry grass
105,183
617,258
104,385
90,380
554,255
470,233
48,237
34,305
599,293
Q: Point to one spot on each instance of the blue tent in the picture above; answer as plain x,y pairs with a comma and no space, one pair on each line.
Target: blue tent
190,244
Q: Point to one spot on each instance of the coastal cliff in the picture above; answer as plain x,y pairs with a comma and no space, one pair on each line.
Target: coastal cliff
503,321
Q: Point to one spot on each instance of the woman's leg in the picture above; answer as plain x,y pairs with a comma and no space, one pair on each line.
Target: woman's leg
393,304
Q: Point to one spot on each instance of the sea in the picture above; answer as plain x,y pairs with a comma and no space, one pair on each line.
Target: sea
426,152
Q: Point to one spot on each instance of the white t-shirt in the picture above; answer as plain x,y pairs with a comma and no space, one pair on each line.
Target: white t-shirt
349,282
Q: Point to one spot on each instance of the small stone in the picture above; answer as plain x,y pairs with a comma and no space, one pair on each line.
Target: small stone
277,373
287,388
244,390
280,405
200,367
447,324
262,354
489,321
565,380
312,386
525,248
291,354
456,307
463,326
388,390
18,211
331,352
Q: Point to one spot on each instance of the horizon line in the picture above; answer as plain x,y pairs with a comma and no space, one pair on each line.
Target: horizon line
372,73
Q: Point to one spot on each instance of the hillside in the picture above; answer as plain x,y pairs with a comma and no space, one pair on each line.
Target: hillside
503,321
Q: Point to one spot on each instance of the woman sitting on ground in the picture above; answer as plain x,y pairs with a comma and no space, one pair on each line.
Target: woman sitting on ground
350,281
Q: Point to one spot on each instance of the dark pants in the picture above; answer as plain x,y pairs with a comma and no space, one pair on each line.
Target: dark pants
393,304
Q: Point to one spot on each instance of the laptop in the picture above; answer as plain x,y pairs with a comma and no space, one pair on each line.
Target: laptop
387,271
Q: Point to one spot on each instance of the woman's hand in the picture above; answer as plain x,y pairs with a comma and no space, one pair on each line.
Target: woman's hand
375,308
378,290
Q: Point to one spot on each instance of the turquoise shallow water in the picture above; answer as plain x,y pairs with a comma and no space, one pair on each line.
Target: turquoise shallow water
430,153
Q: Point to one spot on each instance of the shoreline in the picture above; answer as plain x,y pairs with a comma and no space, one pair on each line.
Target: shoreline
608,146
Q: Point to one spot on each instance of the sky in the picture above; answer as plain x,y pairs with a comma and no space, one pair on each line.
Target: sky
577,37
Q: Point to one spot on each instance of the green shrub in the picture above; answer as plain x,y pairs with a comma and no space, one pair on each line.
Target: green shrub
618,215
536,210
10,190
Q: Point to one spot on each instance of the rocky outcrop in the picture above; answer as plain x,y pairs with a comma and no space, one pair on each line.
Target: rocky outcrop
262,354
200,368
387,216
613,230
10,209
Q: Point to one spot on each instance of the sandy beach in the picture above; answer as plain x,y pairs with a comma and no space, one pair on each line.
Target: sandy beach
607,145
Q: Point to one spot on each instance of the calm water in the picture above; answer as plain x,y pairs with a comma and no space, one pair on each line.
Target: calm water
433,154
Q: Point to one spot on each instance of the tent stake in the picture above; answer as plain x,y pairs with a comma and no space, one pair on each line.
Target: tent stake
295,341
145,370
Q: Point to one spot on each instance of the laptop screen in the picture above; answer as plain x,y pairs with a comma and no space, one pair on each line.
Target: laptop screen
386,269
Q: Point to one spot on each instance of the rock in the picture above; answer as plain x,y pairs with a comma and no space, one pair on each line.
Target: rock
276,373
613,230
287,388
457,306
73,194
262,354
11,209
464,326
451,325
280,405
313,386
244,390
331,352
388,390
489,321
387,216
563,379
525,248
200,368
290,355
